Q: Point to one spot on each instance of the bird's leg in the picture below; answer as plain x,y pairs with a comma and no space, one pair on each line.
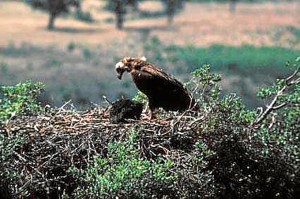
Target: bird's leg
152,116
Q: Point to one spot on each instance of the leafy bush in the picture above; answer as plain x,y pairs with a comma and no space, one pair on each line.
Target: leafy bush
122,173
255,152
20,99
140,97
9,176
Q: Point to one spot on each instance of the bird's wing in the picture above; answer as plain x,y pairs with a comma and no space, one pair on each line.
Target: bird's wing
157,73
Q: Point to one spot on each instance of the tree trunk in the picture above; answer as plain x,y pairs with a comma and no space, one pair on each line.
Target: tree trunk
119,9
171,9
119,22
52,17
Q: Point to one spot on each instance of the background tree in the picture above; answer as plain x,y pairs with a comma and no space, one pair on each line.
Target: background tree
171,10
172,6
119,7
133,3
120,11
54,8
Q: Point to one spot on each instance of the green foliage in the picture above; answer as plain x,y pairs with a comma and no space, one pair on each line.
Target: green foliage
285,93
246,147
292,96
140,97
20,99
55,6
206,89
204,84
223,110
9,175
280,121
222,57
7,146
122,172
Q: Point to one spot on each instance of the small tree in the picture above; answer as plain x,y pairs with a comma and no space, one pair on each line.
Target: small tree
172,6
54,7
132,3
171,10
119,8
120,12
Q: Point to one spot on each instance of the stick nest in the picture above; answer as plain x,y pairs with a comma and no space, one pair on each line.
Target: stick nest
59,138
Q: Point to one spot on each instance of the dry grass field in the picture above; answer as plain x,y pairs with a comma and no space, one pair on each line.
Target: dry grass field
200,24
76,60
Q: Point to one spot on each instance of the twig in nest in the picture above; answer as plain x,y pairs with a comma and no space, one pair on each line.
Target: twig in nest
63,106
107,100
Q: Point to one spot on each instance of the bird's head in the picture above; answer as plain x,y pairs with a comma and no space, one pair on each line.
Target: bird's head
128,64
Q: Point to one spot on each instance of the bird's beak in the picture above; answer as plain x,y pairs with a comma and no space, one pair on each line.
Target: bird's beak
120,73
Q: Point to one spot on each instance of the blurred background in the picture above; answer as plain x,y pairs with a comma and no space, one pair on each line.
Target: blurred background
72,46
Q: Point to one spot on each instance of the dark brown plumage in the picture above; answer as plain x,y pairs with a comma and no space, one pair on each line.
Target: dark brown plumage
162,89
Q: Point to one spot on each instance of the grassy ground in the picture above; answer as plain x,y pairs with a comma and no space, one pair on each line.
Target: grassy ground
76,61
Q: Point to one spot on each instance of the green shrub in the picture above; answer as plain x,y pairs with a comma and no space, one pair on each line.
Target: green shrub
9,176
20,99
140,97
255,152
122,172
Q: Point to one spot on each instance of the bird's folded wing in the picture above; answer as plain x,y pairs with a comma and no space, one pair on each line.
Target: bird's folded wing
156,72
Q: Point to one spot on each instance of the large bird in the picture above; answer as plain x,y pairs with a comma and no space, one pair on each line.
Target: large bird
162,89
